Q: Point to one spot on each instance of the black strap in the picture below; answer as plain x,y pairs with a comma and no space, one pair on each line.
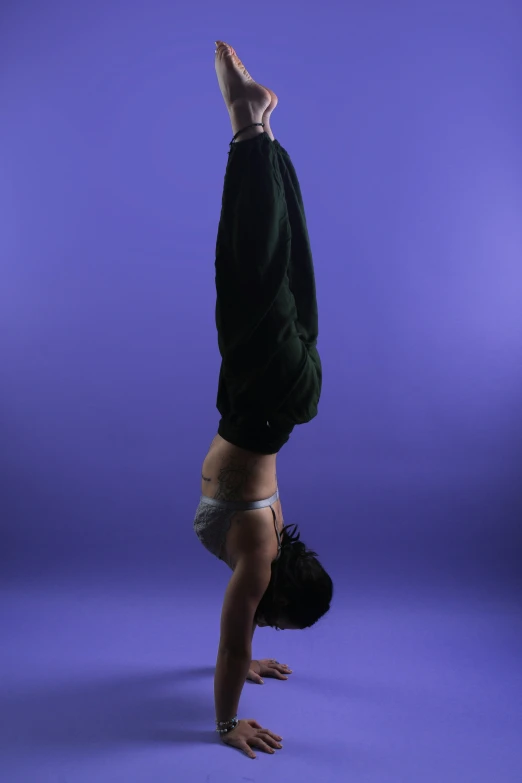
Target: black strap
254,124
279,542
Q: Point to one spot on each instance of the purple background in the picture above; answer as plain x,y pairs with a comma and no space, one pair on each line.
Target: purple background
404,123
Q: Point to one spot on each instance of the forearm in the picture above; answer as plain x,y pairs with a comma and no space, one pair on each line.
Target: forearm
231,672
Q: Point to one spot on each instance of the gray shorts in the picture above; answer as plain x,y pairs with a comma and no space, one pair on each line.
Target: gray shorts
214,517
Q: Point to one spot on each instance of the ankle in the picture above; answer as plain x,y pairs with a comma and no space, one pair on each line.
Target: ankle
243,115
248,132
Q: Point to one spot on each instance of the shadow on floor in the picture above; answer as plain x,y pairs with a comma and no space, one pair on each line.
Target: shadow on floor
104,712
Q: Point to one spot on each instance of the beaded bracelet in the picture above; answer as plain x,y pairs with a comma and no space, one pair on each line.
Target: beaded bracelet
224,726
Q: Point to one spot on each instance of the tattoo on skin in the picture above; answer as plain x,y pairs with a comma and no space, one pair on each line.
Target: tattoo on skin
232,480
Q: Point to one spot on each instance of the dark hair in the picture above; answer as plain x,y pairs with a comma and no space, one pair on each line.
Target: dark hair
300,591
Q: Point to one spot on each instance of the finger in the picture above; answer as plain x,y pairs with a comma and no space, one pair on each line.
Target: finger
276,675
276,663
253,677
279,667
269,738
271,734
254,723
246,749
261,744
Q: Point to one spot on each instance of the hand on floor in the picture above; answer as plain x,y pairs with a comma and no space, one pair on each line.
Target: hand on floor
267,667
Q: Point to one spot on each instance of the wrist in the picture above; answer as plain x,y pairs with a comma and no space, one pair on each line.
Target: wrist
225,726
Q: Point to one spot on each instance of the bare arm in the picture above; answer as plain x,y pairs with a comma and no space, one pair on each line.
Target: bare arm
231,672
244,592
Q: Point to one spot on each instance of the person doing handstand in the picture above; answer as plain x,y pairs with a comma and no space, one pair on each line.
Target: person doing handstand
269,382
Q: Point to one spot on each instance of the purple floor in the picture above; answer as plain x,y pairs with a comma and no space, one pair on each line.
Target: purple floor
116,686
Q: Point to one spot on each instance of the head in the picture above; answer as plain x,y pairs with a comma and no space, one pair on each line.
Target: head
300,591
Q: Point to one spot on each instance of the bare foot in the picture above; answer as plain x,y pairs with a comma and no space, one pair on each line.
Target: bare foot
246,100
268,112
